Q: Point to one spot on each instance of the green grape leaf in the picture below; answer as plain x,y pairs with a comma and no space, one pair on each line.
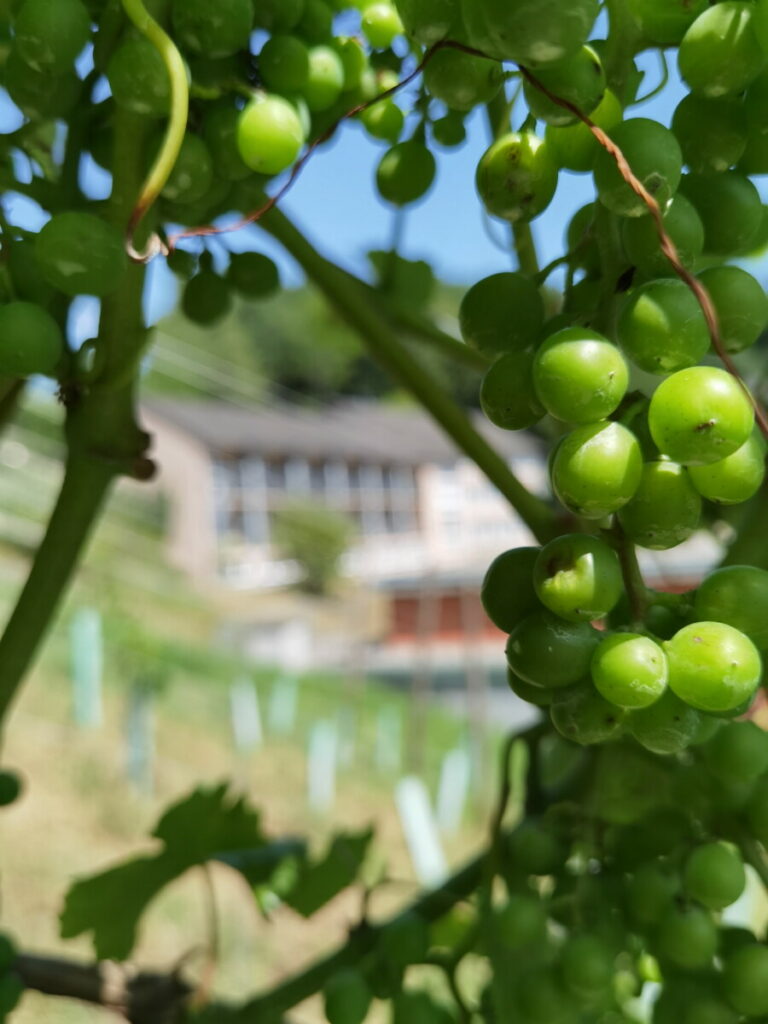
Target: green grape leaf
317,882
208,822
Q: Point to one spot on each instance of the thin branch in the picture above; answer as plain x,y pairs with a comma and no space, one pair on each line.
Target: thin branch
634,584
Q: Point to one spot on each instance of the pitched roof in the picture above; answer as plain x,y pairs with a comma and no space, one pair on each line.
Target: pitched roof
352,430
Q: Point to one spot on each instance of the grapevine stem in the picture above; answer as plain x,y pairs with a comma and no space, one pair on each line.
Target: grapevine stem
637,592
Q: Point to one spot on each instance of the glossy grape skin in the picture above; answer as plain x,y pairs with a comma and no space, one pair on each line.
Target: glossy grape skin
578,577
712,132
325,78
580,79
269,134
139,80
25,273
581,243
449,131
284,63
738,596
462,80
383,120
206,298
596,469
316,22
757,811
278,15
216,30
730,209
745,980
687,936
582,715
49,34
529,31
253,275
501,313
507,395
662,328
735,478
81,254
405,172
525,691
700,415
665,23
574,147
219,131
665,727
740,303
654,155
719,54
36,94
546,651
346,997
428,21
516,177
579,375
381,24
507,592
30,340
641,239
665,509
192,174
629,670
712,666
714,875
738,752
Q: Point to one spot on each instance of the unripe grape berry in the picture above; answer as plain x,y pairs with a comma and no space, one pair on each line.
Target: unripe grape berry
665,509
700,415
581,241
719,55
316,22
546,651
738,596
406,940
574,147
745,980
527,692
687,936
664,22
49,34
535,849
206,298
461,80
737,752
384,120
516,177
253,275
578,577
629,670
219,129
284,63
501,313
730,209
39,95
381,24
641,239
665,727
654,156
586,963
579,375
735,478
529,31
712,132
346,997
596,469
714,875
325,78
580,79
650,891
740,303
405,173
269,134
192,174
215,29
582,715
25,273
81,254
757,811
662,328
712,666
278,15
519,923
507,592
449,131
353,59
507,395
139,80
428,21
30,340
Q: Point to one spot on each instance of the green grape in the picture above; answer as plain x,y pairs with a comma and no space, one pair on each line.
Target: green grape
10,791
733,938
738,596
712,666
657,834
586,963
719,55
405,172
641,239
284,63
316,23
665,509
627,784
192,174
507,395
38,95
755,155
384,978
278,15
708,727
139,80
353,59
527,692
740,303
629,670
667,726
581,242
664,22
325,79
49,34
559,762
596,469
662,328
30,340
735,478
516,177
501,313
520,924
81,254
582,715
535,849
730,209
745,980
269,134
529,31
381,24
580,79
449,131
346,997
574,147
217,199
507,592
700,415
417,1007
582,301
253,275
219,129
11,991
544,1000
708,1010
650,892
654,156
406,940
757,811
429,21
579,375
206,298
461,80
182,263
384,120
25,273
712,132
578,577
546,651
217,30
687,936
714,875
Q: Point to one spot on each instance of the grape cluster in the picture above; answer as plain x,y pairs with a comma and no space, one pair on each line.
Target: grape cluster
11,985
